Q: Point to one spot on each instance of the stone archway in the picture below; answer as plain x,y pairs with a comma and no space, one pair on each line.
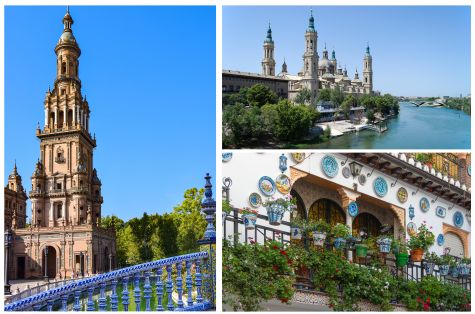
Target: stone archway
462,234
49,257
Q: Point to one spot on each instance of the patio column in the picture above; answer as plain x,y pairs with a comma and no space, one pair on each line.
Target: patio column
348,196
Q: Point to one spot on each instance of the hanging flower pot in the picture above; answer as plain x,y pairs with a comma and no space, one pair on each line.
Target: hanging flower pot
464,269
319,238
444,270
249,221
275,213
454,271
402,259
384,245
429,267
339,243
416,255
295,233
361,250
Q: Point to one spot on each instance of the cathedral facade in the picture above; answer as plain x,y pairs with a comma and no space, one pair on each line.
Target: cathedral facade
64,238
316,74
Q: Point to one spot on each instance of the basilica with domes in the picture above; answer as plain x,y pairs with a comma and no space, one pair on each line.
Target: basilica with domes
317,72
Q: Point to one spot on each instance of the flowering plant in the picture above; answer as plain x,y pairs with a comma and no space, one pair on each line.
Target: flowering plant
432,257
341,231
248,211
288,202
320,225
423,239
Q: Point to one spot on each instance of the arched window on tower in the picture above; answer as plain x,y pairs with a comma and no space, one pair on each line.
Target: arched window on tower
59,211
70,117
63,68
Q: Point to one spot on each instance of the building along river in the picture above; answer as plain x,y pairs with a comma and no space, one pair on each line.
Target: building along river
414,128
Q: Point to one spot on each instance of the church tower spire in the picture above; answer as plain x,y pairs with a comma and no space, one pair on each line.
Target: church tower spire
368,71
268,62
310,59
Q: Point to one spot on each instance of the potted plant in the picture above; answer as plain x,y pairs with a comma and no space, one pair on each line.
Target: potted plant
362,248
384,240
464,266
400,250
340,232
249,217
445,262
430,260
320,228
297,228
420,242
276,207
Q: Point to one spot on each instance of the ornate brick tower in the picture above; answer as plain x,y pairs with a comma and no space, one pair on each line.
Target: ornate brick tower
268,62
310,59
15,202
368,72
65,238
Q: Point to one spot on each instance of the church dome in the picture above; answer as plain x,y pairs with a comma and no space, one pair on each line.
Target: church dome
324,63
67,37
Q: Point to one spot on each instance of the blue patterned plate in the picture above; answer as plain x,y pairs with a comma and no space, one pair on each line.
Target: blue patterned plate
440,239
380,186
267,186
411,229
329,166
458,219
440,211
227,157
424,204
255,200
353,209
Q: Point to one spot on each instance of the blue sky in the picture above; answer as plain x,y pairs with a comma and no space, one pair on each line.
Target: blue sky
416,50
149,74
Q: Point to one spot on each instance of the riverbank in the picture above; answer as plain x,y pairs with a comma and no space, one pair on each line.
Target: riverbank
414,128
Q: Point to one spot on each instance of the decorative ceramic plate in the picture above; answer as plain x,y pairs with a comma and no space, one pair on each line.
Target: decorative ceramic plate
283,183
362,179
458,219
227,157
440,211
329,166
298,157
346,172
424,204
353,209
255,200
380,186
411,229
267,186
440,239
402,195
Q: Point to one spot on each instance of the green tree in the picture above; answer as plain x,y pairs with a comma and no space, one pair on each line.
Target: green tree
337,96
370,116
324,95
112,222
126,247
189,221
259,95
303,96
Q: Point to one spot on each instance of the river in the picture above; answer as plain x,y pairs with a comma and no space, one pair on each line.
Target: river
414,128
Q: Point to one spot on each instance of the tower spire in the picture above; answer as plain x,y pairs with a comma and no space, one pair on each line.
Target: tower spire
311,23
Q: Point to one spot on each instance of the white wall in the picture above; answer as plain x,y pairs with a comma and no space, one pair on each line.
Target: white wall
246,168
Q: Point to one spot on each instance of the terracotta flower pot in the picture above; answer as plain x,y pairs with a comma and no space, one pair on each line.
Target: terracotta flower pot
416,255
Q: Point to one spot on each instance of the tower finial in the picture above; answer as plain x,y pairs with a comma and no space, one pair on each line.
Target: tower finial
311,25
67,9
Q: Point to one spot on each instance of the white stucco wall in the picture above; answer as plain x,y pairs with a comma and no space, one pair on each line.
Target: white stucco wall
246,168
